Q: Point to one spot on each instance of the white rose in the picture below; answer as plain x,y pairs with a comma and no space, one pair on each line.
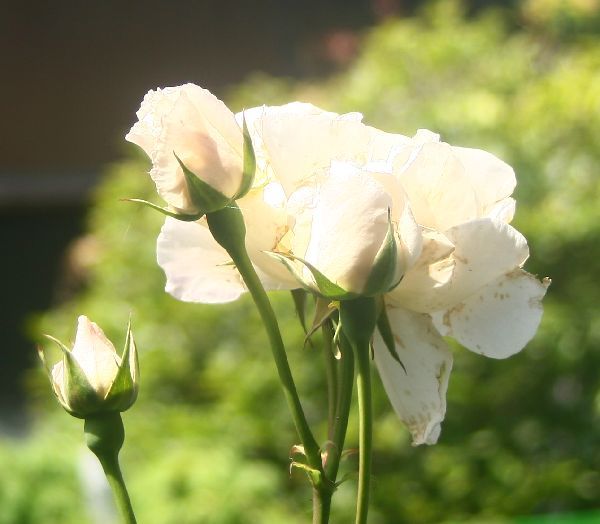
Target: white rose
467,283
312,199
193,124
325,184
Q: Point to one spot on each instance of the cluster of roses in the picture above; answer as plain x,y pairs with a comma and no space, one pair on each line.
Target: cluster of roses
345,210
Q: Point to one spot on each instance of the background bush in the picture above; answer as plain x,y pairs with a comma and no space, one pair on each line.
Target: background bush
209,438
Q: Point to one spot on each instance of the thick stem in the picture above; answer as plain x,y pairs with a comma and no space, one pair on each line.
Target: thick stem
104,436
227,227
321,506
359,318
365,439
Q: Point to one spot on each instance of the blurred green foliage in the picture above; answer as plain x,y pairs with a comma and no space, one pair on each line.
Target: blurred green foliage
209,438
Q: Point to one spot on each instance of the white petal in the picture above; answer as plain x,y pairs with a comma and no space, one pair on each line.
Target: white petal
301,140
348,224
197,268
484,250
492,179
503,210
440,192
499,319
419,394
266,223
96,355
58,383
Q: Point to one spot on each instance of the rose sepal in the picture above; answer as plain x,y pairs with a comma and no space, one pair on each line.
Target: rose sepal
205,198
324,287
385,330
249,163
124,390
383,276
165,211
77,396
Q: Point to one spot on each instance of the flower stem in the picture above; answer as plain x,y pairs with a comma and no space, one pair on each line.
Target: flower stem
111,468
227,227
344,400
359,318
105,435
321,506
365,439
332,379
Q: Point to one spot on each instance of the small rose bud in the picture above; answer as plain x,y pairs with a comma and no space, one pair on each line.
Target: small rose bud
91,378
202,158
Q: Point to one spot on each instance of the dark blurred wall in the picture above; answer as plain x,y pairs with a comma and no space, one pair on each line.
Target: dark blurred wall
74,72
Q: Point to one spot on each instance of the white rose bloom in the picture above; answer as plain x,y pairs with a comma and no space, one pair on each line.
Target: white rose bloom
193,124
467,283
324,185
309,187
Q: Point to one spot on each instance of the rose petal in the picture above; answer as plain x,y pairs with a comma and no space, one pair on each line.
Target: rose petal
499,319
348,222
197,268
266,223
301,140
418,394
439,190
96,355
503,210
484,250
492,179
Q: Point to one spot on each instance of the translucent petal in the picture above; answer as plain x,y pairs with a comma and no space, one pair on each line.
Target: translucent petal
197,268
500,318
418,394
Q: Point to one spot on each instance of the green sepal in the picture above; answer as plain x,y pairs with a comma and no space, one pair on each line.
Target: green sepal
322,313
81,398
313,474
165,211
124,389
337,338
383,273
299,297
249,169
325,287
205,197
385,330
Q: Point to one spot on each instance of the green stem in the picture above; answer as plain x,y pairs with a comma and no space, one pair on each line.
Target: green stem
104,436
227,227
365,439
332,378
321,505
344,401
359,319
111,468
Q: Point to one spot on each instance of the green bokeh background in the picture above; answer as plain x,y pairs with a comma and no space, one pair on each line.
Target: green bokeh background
209,438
